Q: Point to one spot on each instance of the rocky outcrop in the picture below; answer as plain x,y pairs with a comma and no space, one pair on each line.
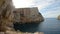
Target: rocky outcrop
22,15
14,32
59,17
6,15
28,15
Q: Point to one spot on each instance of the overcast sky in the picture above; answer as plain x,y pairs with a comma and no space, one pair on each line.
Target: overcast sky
48,8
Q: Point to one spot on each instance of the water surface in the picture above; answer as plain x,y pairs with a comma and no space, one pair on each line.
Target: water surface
49,26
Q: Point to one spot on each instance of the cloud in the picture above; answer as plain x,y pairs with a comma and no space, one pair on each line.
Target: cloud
52,14
52,10
48,8
22,3
31,3
42,3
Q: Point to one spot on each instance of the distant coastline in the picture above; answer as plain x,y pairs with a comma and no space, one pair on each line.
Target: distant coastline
58,17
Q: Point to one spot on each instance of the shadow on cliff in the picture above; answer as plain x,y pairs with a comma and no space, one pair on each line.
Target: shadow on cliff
28,27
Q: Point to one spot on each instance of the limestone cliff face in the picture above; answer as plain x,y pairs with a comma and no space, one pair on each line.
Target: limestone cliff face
59,17
6,14
28,15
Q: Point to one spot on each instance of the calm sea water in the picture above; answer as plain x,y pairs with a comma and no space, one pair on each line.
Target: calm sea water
49,26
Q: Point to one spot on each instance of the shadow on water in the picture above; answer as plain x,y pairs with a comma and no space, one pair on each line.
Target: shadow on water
28,27
48,26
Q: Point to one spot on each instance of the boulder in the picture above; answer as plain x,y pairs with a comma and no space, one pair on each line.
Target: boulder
6,15
28,15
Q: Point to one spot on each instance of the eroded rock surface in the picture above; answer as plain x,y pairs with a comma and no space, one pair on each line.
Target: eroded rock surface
59,17
22,15
28,15
6,15
14,32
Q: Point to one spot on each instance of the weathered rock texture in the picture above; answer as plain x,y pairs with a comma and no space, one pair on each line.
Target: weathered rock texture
28,15
14,32
59,17
21,15
6,15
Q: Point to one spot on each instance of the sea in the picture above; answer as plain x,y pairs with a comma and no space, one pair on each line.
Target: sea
48,26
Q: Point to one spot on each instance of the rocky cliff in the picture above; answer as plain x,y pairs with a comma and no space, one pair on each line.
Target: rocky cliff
28,15
59,17
22,15
6,14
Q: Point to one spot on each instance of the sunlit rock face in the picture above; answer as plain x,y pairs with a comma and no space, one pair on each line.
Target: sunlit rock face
28,15
59,17
6,14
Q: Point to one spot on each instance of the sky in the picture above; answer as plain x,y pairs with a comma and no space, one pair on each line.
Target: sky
48,8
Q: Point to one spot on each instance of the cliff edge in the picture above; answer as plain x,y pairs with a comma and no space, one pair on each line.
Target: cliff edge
28,15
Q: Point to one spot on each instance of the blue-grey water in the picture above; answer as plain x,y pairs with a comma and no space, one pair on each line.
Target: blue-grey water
49,26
